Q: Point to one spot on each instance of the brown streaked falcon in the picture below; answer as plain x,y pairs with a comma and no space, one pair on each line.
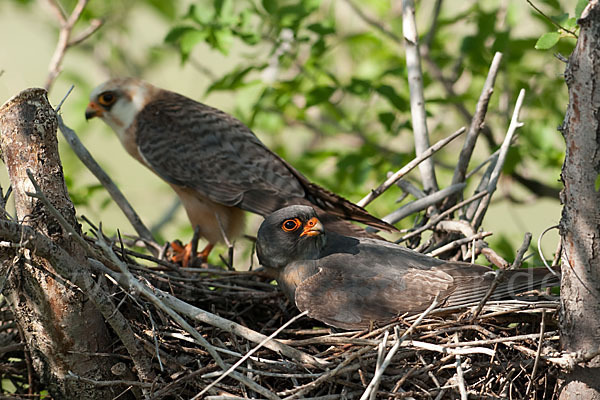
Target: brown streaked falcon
352,283
215,164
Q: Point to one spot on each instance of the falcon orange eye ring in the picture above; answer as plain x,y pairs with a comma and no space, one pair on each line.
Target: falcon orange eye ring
290,225
106,99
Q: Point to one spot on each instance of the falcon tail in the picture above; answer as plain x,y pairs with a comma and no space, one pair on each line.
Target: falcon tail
340,207
336,205
515,282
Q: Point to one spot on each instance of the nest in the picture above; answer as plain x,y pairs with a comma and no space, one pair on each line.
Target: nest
502,353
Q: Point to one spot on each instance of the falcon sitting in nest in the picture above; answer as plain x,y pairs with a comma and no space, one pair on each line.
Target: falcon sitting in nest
351,283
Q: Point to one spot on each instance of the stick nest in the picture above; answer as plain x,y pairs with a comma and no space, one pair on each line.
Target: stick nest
501,354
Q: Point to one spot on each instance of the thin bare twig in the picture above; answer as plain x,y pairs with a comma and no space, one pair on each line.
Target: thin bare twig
559,26
407,168
247,355
495,176
516,264
476,124
374,23
399,339
417,98
87,159
421,204
432,222
458,243
128,281
541,252
538,353
64,41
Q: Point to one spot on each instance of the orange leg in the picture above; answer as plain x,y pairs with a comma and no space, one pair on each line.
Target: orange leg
183,254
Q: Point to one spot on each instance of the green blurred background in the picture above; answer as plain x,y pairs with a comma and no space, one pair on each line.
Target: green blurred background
318,84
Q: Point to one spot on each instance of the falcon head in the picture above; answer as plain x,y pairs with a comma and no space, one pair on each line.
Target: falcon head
290,234
118,101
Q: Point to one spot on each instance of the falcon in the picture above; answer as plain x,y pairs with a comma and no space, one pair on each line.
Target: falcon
213,162
352,283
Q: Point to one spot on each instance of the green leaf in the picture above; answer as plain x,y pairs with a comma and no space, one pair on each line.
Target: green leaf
560,19
392,96
547,40
321,29
165,8
359,87
188,41
387,119
581,5
232,80
318,95
176,33
270,6
570,24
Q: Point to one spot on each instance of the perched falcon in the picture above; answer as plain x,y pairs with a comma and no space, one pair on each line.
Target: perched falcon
215,164
351,282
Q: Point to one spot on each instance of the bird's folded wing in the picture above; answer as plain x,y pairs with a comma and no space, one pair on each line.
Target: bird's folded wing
352,296
192,145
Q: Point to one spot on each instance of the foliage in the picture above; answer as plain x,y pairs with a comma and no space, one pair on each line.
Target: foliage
328,91
326,75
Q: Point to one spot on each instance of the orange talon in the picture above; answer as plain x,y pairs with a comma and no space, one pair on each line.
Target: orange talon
183,254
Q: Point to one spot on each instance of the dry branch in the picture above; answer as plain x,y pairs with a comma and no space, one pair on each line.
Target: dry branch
407,168
88,160
417,98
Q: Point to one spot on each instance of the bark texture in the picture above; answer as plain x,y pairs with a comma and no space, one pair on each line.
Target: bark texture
580,223
62,328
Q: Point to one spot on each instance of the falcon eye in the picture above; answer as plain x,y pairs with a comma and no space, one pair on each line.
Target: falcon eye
107,98
290,225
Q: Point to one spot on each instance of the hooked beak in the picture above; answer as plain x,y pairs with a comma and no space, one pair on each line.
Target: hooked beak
313,227
93,110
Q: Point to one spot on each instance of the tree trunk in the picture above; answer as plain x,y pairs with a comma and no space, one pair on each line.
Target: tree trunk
580,223
63,330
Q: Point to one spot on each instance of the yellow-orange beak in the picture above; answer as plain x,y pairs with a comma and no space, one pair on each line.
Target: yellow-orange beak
93,110
313,227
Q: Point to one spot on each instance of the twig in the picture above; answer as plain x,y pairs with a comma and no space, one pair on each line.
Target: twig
434,22
440,217
537,354
551,20
247,355
64,42
57,109
501,339
237,329
374,23
388,359
128,281
516,264
87,159
513,126
541,252
73,234
458,243
417,98
380,359
300,391
407,168
476,124
71,375
461,379
451,351
421,204
83,280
